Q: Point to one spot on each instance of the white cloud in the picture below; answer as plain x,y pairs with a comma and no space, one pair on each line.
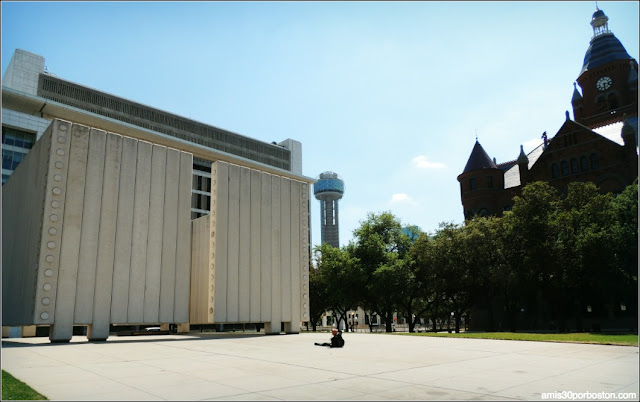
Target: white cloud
402,198
422,162
531,144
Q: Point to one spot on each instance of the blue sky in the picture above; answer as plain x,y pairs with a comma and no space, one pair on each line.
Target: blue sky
390,95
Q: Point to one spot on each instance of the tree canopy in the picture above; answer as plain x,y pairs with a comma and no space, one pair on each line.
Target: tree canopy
553,257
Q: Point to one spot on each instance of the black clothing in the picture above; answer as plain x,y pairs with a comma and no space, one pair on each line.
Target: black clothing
336,341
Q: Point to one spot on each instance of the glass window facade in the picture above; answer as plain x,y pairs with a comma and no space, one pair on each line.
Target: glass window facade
200,192
15,146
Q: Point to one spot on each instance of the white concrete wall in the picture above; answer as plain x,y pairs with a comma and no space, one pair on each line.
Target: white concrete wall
102,233
71,237
183,240
23,71
23,214
296,154
124,225
201,294
258,248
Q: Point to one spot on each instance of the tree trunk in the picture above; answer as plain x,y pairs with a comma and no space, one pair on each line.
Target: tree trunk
490,324
389,320
579,315
435,316
370,321
409,314
512,320
562,318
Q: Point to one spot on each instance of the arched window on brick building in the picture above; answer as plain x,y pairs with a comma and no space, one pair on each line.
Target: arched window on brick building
584,163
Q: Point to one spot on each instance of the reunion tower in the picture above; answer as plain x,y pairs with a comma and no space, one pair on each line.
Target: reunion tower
328,190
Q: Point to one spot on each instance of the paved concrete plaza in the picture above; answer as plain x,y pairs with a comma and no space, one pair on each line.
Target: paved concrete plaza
236,366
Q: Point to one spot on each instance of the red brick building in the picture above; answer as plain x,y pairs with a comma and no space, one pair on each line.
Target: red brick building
598,145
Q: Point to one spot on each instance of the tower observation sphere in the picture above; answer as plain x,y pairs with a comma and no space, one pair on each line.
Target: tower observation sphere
328,190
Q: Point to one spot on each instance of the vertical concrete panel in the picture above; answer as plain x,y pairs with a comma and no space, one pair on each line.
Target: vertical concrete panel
21,251
255,232
212,238
194,291
62,330
295,291
90,228
154,240
285,249
276,256
169,236
139,234
199,298
49,258
219,225
99,329
233,246
124,229
245,251
183,256
265,247
305,238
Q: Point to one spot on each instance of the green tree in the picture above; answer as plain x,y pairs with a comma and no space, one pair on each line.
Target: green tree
452,264
318,296
583,245
337,272
412,287
624,244
531,252
380,248
484,242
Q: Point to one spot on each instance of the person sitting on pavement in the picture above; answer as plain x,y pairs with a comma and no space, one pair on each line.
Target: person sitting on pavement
336,340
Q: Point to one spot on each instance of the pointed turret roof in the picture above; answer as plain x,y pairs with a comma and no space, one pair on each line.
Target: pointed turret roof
522,158
479,159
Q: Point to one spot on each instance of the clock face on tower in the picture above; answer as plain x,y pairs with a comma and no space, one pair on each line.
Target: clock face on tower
603,83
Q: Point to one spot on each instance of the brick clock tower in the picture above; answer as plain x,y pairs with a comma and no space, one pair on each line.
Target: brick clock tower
608,79
599,145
